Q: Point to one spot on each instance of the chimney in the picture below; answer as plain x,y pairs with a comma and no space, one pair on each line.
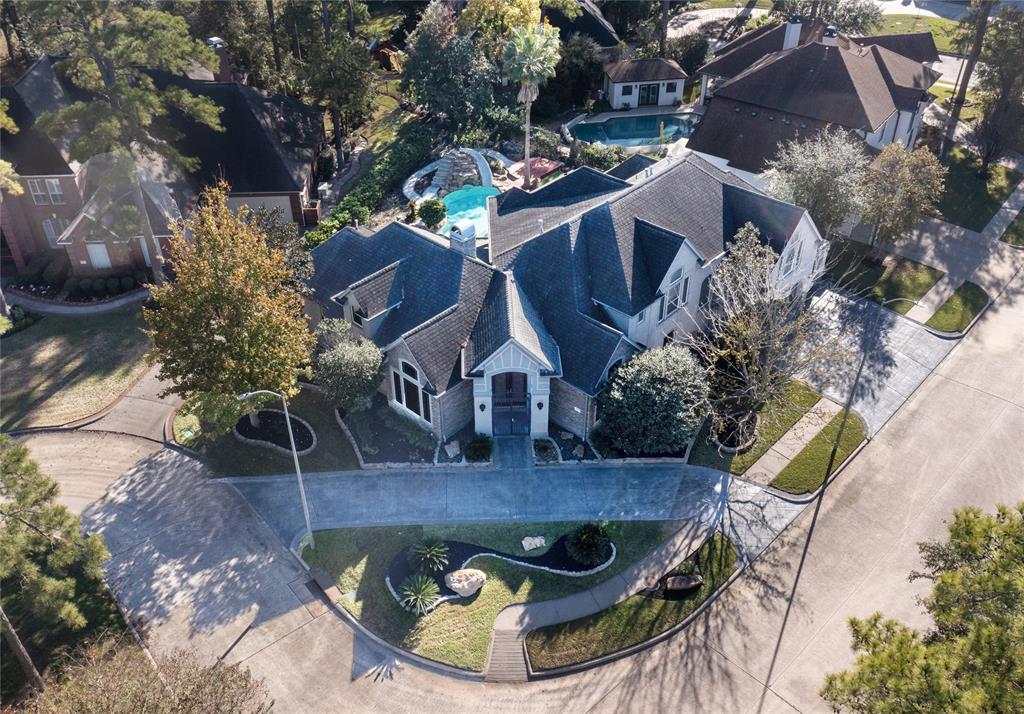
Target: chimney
462,237
830,36
223,71
792,37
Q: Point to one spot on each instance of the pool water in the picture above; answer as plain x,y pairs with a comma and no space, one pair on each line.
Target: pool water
469,202
640,130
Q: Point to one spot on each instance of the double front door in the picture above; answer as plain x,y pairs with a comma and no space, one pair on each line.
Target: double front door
649,94
511,404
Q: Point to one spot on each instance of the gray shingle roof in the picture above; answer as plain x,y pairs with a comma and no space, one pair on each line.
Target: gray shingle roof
378,291
916,46
736,56
644,70
631,166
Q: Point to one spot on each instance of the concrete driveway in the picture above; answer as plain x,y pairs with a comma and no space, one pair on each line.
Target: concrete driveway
901,354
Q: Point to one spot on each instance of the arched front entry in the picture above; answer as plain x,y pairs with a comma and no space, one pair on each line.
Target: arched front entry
510,411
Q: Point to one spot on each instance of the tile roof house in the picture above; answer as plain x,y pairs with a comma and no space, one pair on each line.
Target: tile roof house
267,152
584,272
643,83
787,82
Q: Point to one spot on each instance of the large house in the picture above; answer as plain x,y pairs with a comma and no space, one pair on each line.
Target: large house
786,82
643,83
267,153
583,273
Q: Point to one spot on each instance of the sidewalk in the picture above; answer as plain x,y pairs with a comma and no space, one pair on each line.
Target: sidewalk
140,412
792,442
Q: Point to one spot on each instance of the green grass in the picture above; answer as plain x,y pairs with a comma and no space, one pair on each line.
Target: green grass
47,644
943,93
1014,234
961,307
66,368
806,472
941,28
970,200
381,23
633,620
459,632
229,457
775,421
854,267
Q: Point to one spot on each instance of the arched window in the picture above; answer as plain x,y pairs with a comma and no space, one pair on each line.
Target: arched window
409,393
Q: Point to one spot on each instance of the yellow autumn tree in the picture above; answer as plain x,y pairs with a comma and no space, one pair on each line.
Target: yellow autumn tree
494,20
229,323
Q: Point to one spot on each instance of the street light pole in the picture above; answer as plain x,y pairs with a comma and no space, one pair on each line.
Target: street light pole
295,457
856,381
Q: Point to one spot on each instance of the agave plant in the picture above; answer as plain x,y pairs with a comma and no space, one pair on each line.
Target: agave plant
430,556
589,544
419,593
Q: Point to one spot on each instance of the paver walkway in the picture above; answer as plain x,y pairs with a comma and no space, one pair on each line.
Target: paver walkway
799,435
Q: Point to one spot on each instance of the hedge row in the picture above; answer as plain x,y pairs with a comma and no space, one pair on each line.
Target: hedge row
103,287
405,155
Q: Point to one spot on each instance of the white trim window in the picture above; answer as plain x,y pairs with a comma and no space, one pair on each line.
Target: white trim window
792,260
37,187
407,391
54,228
56,192
642,316
676,295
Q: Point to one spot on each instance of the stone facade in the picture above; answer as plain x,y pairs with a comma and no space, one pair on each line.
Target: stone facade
571,408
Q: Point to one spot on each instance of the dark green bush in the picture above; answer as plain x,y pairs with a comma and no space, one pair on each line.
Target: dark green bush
429,556
419,594
127,283
546,107
98,287
478,448
141,278
545,143
601,106
326,163
433,212
73,286
113,286
600,157
589,544
33,271
56,271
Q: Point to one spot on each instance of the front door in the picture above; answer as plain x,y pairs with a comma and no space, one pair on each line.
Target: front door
511,411
649,94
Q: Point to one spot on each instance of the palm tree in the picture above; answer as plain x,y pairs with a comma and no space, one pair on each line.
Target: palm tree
530,56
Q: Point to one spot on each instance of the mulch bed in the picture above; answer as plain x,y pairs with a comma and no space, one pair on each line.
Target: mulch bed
567,446
463,436
379,442
273,430
557,558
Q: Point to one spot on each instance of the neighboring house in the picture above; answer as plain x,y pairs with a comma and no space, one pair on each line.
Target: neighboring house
267,153
585,272
787,82
643,83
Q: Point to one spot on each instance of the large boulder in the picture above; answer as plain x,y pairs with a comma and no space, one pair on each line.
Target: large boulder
465,582
533,542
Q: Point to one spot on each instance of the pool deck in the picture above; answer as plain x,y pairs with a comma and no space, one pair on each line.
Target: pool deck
692,108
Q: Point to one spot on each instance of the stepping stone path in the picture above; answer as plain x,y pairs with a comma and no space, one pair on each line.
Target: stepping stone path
792,442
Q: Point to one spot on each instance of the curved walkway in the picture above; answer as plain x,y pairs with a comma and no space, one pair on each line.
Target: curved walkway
46,307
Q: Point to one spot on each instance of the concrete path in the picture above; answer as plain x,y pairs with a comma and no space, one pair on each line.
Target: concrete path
925,8
998,224
792,442
142,412
45,307
464,495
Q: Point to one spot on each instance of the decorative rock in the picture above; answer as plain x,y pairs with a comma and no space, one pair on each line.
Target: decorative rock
565,436
451,449
578,451
533,542
465,582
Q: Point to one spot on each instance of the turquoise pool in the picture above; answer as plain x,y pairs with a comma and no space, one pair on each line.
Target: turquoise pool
469,202
640,130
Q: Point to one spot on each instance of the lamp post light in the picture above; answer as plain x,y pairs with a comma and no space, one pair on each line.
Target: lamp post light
295,456
856,381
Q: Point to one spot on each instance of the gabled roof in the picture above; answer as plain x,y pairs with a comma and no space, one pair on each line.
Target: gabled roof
378,291
35,93
508,315
631,166
916,46
736,56
644,70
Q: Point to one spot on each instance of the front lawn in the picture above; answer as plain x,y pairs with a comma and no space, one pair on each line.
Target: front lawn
458,632
944,93
806,472
633,620
941,28
65,368
961,307
775,420
970,200
1014,234
854,267
229,457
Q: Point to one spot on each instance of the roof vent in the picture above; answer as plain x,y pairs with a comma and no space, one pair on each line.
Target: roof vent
791,38
753,114
830,36
739,109
540,226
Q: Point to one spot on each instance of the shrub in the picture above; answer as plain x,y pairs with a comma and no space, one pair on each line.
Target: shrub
429,556
56,271
545,143
476,136
73,285
98,287
127,283
601,106
601,157
589,544
141,278
326,163
502,122
478,448
410,215
347,366
654,402
547,106
5,325
433,212
113,286
17,313
419,594
33,271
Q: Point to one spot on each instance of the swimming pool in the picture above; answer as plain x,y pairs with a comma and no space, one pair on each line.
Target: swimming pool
638,130
469,202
